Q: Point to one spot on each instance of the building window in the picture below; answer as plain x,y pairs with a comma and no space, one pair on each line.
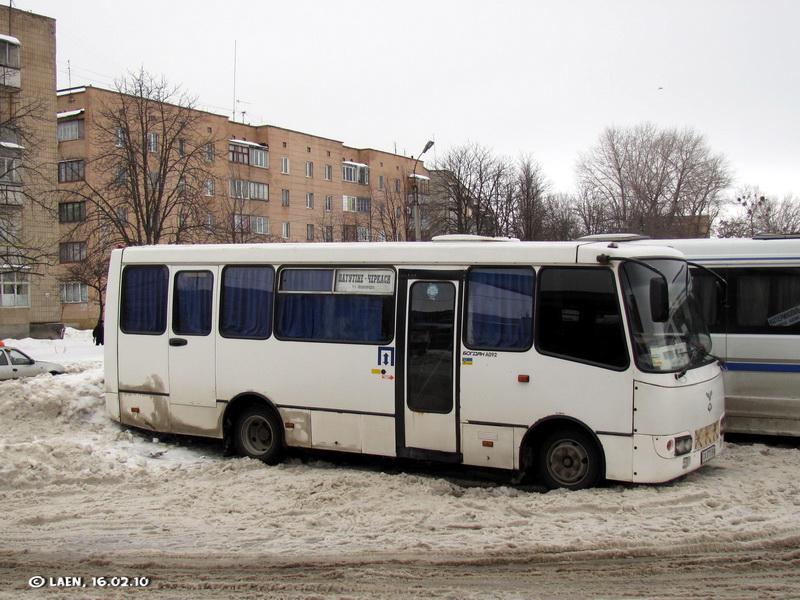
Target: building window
241,223
328,203
121,176
349,233
310,200
259,225
122,216
71,212
329,233
284,165
259,158
70,252
310,233
152,142
73,292
10,170
284,197
70,130
349,203
153,180
349,173
210,152
119,137
363,205
181,185
364,234
309,169
211,223
14,290
363,175
9,54
209,186
328,172
240,188
182,147
381,183
259,191
285,230
239,154
397,186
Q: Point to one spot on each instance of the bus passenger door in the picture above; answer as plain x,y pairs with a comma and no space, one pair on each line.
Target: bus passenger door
192,355
428,375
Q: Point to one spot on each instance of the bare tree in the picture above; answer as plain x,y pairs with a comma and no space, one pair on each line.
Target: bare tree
655,182
755,214
25,185
473,190
529,202
146,183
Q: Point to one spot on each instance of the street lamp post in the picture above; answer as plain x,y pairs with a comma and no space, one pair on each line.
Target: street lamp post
415,190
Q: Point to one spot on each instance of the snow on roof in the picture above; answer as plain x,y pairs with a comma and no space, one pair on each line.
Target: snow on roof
418,176
246,143
69,91
11,145
70,113
9,39
355,164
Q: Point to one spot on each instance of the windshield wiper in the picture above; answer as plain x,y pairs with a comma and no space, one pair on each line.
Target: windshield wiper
694,352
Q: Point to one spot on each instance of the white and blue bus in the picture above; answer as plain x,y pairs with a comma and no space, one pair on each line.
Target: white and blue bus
755,325
572,362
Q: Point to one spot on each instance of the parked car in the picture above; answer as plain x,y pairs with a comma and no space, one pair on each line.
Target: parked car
15,363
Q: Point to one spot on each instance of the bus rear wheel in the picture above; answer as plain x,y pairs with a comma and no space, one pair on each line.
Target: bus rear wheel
569,459
257,434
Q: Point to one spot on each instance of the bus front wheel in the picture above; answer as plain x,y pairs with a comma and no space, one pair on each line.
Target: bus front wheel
257,434
569,459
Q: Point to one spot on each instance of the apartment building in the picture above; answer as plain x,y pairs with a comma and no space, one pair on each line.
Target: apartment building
224,181
29,292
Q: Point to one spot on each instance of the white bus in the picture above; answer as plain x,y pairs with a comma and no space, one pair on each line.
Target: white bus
569,361
757,327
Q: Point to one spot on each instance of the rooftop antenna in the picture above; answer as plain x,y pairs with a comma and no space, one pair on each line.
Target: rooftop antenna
234,80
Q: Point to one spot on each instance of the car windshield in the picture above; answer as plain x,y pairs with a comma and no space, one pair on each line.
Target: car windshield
675,339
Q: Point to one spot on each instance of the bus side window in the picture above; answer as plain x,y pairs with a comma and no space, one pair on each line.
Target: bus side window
246,302
191,306
500,309
709,293
143,309
578,316
764,300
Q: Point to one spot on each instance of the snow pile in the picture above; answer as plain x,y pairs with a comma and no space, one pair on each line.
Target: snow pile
72,481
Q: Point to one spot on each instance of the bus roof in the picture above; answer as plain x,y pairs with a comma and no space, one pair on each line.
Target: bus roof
735,250
445,251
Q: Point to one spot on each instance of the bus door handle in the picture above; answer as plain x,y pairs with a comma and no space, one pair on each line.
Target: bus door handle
177,342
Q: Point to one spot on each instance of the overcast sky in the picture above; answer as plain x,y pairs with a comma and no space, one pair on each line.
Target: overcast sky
517,76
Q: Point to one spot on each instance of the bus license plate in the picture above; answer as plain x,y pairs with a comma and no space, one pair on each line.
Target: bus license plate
707,454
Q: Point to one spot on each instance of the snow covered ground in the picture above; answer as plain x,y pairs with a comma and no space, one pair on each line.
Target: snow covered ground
75,484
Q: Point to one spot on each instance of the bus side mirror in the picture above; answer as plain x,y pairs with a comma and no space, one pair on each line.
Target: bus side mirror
659,300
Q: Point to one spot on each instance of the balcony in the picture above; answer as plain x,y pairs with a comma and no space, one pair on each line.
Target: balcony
10,74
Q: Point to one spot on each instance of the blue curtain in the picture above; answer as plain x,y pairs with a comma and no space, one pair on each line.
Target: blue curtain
246,308
334,317
500,308
191,311
143,309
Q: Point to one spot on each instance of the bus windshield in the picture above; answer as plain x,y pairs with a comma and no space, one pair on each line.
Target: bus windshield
676,340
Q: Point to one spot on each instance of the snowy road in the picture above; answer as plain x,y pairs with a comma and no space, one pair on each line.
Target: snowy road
83,497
